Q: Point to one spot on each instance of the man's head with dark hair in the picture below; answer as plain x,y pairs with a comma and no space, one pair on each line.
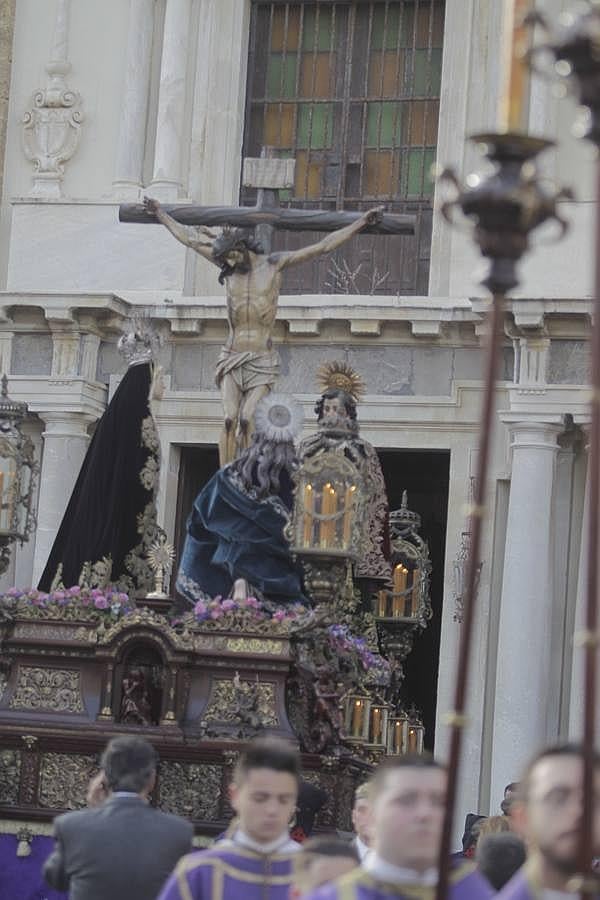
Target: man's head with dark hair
511,792
265,787
499,856
336,411
230,251
408,801
129,764
321,860
547,814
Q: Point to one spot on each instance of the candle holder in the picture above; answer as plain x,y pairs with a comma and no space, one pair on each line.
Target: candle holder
357,717
415,732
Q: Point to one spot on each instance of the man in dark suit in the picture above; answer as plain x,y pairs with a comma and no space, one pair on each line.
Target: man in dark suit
122,849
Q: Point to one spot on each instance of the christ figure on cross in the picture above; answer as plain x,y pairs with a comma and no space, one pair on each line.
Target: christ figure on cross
248,365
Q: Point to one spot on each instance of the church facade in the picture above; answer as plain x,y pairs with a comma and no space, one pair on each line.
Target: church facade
103,103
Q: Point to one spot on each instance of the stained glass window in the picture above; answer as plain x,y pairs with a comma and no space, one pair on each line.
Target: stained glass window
351,91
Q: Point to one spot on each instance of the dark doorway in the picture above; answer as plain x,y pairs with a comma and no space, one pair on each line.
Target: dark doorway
424,475
196,466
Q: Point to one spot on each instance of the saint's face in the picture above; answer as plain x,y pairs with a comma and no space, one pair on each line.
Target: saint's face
265,801
550,818
333,407
408,813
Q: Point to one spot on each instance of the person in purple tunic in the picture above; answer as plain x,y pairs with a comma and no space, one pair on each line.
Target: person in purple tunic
254,862
407,796
547,815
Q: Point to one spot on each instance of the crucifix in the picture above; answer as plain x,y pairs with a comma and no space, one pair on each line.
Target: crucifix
248,365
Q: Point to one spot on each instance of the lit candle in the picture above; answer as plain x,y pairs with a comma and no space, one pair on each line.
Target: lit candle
376,725
328,508
382,604
399,582
397,737
348,511
357,718
412,740
309,499
513,108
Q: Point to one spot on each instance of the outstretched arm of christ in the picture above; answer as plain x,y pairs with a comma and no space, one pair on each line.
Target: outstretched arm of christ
328,244
183,233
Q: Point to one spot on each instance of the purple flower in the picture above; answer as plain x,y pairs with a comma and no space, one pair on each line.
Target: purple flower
253,602
74,591
124,598
216,614
96,592
100,602
228,604
14,592
200,608
279,615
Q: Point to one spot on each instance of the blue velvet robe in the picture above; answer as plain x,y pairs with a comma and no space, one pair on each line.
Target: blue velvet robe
465,884
229,536
229,872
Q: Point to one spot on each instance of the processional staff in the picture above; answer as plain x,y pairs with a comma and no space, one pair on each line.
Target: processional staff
505,208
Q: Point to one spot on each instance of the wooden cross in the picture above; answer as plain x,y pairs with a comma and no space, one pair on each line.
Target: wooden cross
268,175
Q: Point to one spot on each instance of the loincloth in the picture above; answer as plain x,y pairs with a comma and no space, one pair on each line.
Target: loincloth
248,369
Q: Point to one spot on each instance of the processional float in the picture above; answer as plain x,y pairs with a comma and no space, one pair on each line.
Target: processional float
505,207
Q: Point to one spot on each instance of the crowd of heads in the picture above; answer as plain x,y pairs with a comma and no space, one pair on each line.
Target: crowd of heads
397,814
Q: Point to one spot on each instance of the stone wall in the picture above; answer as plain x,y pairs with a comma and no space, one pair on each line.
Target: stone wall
7,22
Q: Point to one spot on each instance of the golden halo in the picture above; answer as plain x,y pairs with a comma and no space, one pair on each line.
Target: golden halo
341,376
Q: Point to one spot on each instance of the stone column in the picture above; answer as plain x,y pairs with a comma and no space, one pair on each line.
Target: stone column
170,124
522,679
65,443
134,104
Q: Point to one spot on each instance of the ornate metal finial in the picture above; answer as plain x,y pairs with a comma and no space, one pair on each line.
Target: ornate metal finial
140,343
160,559
341,376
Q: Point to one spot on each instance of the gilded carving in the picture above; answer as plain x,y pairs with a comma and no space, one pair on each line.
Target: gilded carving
64,780
38,687
224,702
191,790
255,645
54,632
10,775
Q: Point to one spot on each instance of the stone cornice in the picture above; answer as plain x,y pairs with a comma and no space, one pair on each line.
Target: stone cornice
425,318
46,394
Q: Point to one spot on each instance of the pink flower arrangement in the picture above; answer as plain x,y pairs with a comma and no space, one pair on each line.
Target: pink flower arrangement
109,601
219,607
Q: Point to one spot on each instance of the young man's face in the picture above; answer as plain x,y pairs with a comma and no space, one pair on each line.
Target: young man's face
264,801
362,820
550,817
408,813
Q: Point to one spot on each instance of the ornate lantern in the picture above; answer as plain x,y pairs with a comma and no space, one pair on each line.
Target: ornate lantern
409,600
397,734
415,732
357,718
378,724
327,521
17,476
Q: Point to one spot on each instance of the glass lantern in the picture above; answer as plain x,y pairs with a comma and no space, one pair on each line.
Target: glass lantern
415,732
378,724
328,508
397,734
357,717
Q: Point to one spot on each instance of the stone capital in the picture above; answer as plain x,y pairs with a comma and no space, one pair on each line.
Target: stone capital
66,424
534,435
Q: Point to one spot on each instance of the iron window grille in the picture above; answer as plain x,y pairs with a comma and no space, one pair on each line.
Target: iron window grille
351,91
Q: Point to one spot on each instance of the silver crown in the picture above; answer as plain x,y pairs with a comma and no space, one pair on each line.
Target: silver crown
279,418
140,344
